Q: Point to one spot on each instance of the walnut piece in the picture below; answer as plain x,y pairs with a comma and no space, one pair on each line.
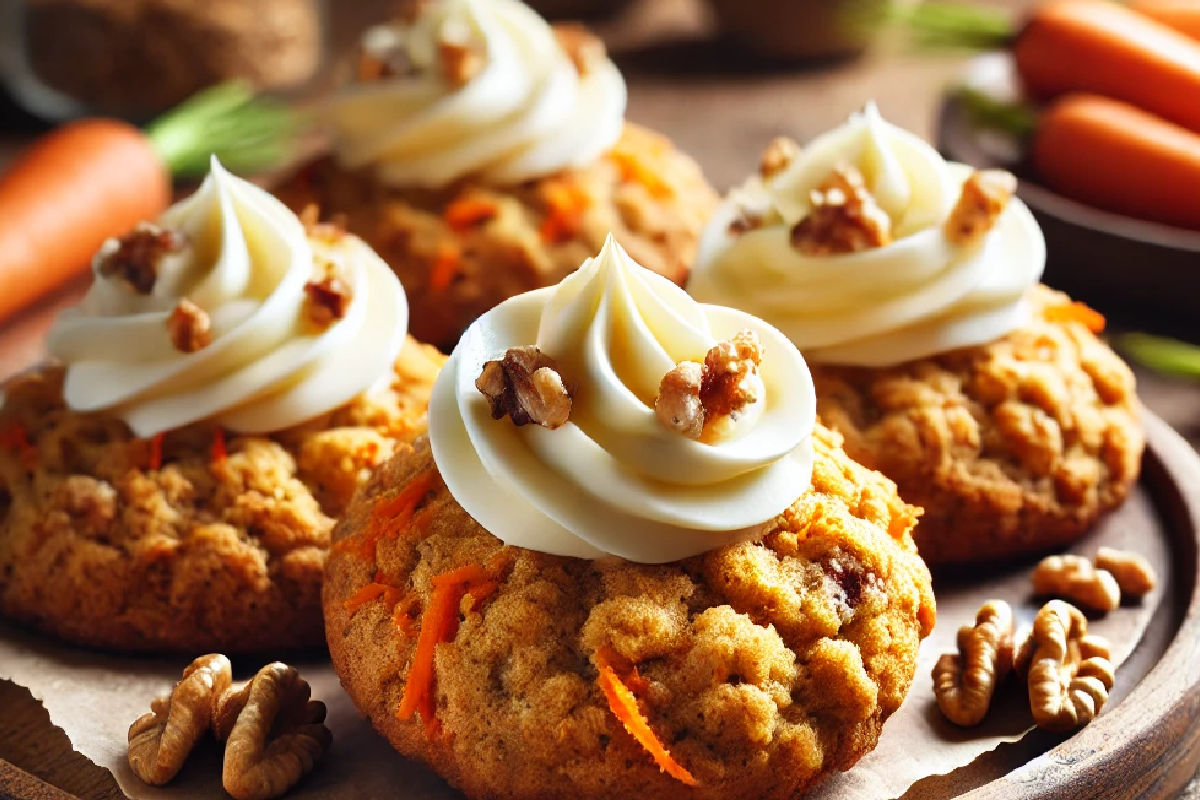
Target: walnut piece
844,218
459,58
582,47
159,742
1069,673
777,157
134,258
984,197
1075,579
678,406
328,298
702,400
1133,572
274,733
189,327
527,386
964,682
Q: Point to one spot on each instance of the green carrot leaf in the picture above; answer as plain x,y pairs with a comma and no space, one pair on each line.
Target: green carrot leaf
1168,356
248,133
943,25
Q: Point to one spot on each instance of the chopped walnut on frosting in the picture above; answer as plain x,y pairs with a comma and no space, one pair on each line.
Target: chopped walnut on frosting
581,46
459,56
328,296
700,400
189,327
984,197
844,218
134,258
526,386
777,157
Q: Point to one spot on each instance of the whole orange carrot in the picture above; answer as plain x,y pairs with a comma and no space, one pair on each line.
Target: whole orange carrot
1179,15
1117,157
1101,47
97,178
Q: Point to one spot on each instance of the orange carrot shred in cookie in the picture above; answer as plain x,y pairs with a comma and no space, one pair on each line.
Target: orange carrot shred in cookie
467,212
439,623
633,167
566,206
218,453
624,706
363,596
1075,311
156,452
15,439
393,515
445,266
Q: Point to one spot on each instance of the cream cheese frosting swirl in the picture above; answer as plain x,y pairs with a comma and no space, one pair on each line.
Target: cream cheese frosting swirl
245,262
918,295
613,480
525,112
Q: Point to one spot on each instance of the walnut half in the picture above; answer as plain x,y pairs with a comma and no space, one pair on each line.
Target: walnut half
159,742
699,400
274,733
1074,578
135,257
1069,673
964,682
844,218
526,386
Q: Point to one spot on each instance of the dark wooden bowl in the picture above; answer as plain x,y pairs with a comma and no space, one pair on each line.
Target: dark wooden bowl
1136,272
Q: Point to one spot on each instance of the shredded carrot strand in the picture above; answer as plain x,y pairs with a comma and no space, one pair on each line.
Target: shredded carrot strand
445,267
1075,311
439,623
218,452
363,596
156,452
467,212
567,204
15,438
624,706
462,575
633,167
393,515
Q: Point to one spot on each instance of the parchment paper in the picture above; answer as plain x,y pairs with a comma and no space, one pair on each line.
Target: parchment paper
95,697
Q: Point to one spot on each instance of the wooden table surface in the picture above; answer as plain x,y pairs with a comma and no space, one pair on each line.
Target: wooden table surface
717,105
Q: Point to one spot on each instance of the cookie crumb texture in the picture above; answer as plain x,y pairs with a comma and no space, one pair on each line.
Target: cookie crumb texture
764,666
210,552
1012,448
462,250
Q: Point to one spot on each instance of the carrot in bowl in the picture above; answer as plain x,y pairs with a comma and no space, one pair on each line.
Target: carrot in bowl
1179,15
1119,158
1101,47
94,179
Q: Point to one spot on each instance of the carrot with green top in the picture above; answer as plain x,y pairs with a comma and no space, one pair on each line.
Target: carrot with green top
94,179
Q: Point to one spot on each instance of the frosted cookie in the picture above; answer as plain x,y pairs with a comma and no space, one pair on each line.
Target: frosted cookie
607,602
484,153
911,286
170,480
